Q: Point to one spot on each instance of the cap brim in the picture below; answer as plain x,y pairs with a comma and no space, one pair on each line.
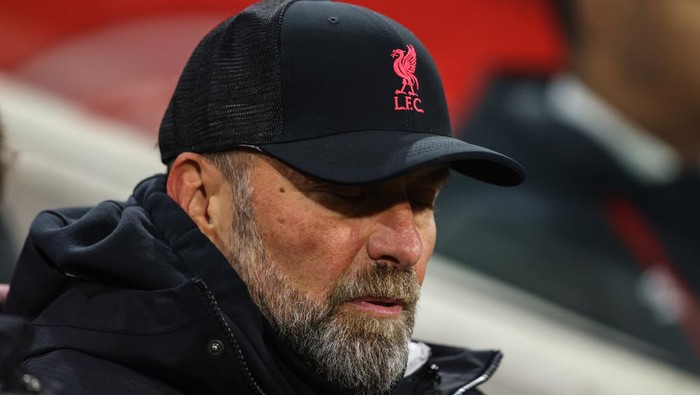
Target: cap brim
374,156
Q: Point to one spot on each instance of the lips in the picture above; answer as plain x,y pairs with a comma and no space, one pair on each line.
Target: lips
388,307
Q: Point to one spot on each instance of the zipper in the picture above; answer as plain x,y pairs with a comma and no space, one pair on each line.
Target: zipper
495,362
230,338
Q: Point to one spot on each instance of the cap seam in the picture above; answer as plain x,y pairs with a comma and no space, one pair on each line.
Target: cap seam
382,23
284,85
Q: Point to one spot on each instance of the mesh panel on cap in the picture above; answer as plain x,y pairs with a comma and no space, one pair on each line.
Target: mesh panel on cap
229,92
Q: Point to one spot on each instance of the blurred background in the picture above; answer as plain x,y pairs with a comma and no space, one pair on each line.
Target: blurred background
84,84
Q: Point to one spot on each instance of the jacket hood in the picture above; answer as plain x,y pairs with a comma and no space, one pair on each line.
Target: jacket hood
137,283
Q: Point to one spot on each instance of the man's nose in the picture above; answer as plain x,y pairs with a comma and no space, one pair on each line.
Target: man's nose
396,238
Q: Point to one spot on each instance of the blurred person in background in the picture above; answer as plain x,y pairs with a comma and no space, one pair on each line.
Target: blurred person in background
6,259
306,142
7,256
15,332
608,224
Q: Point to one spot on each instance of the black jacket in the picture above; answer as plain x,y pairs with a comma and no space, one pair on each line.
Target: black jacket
15,338
566,233
131,298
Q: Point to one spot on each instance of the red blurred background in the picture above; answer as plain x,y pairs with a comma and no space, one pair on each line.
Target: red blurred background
121,59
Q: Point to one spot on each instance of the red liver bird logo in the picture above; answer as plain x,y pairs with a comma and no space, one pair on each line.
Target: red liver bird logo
405,67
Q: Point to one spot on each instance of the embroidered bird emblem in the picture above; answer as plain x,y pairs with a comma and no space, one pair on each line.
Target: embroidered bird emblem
405,67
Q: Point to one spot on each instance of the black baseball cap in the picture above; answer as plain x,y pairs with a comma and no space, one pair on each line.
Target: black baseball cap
334,90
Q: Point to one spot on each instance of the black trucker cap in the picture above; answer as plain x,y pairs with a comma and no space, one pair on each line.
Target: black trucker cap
334,90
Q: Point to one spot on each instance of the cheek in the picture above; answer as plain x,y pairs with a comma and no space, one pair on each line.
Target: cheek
421,267
312,251
428,236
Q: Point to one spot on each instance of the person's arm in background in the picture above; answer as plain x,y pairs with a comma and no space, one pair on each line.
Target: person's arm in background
4,289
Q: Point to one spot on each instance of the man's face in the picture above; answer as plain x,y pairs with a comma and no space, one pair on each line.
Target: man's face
338,268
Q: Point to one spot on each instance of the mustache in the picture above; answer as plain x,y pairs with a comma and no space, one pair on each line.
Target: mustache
379,281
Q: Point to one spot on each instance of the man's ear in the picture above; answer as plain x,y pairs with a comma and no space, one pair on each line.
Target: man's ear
202,191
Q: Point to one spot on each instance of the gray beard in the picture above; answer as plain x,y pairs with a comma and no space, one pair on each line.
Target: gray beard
359,352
